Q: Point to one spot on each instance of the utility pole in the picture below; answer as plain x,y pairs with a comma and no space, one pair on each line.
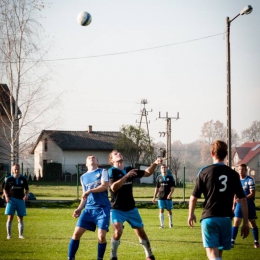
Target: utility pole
168,136
144,113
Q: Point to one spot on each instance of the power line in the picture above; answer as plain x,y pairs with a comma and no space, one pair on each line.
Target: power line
124,52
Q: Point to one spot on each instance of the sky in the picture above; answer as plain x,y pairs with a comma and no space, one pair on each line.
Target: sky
171,53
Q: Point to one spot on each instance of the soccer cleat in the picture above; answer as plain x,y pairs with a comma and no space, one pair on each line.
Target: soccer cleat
9,237
21,236
256,245
160,227
113,258
171,226
150,257
232,243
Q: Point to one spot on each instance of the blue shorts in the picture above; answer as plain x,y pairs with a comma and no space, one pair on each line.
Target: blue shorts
216,232
131,216
251,210
17,205
165,204
92,218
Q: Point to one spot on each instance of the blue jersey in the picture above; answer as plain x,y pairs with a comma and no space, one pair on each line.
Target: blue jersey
248,184
93,179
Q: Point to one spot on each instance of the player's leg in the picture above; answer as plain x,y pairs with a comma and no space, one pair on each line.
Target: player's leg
21,212
236,223
169,207
161,212
136,223
74,242
103,224
254,232
9,211
118,218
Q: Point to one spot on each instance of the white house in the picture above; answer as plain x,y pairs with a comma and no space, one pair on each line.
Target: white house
70,148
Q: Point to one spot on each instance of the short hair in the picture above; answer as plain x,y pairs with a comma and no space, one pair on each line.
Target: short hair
15,164
219,149
243,165
110,157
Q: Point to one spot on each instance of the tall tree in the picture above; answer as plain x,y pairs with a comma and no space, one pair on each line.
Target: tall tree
21,53
135,145
252,133
175,165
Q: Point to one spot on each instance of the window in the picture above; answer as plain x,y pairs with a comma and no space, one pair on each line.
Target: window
45,144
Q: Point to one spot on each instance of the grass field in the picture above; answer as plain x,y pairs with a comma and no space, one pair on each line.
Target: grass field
49,226
48,231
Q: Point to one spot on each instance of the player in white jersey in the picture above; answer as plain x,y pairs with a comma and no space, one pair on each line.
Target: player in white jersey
97,208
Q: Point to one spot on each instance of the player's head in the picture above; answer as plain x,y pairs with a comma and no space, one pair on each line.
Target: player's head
242,170
219,150
114,157
16,169
92,161
163,168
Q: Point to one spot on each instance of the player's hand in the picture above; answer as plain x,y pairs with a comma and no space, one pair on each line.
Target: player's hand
131,173
191,220
244,231
159,160
76,213
153,200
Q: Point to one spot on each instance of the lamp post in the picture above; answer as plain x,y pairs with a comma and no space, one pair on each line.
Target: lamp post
246,10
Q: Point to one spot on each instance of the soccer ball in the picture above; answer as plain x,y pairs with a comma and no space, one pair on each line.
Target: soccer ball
84,18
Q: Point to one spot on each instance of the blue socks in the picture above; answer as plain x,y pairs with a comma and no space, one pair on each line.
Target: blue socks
73,247
101,250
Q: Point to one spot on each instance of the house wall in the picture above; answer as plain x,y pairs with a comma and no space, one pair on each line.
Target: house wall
52,154
254,168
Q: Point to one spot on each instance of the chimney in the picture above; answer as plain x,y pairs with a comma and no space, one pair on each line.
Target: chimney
89,128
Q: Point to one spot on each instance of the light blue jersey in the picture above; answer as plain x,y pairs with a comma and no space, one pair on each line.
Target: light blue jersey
93,179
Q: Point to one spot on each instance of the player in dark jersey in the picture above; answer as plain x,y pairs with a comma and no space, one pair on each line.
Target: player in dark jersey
218,183
123,203
248,185
15,197
94,183
164,188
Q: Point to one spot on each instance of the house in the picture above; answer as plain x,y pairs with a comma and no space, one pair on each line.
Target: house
5,130
249,154
70,148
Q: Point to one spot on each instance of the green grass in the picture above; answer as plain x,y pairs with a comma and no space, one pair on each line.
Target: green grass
48,231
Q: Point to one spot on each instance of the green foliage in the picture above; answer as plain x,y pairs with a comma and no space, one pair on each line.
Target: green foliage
52,172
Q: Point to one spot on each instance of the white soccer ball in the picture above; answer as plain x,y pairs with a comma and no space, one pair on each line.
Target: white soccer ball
84,18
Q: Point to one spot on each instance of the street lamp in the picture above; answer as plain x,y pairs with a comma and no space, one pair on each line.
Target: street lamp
246,10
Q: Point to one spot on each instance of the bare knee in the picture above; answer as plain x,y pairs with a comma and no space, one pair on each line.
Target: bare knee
141,233
118,230
102,236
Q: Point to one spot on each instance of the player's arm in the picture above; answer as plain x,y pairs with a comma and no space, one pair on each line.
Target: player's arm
26,191
156,190
150,170
251,195
170,194
244,208
192,205
114,186
6,195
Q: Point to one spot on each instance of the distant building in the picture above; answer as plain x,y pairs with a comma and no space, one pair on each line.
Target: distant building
248,153
70,148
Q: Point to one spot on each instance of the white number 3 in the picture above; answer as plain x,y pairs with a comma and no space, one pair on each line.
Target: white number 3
223,179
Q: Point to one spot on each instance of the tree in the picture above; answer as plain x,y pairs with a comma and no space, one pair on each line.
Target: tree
252,133
175,165
21,52
135,145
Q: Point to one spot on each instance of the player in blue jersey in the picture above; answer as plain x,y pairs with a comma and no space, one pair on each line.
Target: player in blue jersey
16,192
248,185
94,183
123,203
164,188
218,183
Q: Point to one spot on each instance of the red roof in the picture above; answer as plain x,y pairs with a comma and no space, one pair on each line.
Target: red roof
247,151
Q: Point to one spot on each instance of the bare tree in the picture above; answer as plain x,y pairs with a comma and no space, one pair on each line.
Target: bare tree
22,69
252,133
175,165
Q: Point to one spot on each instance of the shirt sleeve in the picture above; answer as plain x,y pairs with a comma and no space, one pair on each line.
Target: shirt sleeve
104,176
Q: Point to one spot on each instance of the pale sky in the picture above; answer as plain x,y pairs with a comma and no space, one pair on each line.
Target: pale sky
170,52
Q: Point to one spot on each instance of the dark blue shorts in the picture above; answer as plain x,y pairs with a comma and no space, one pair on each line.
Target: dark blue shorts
251,210
92,218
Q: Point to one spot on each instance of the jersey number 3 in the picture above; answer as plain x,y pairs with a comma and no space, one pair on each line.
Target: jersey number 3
223,179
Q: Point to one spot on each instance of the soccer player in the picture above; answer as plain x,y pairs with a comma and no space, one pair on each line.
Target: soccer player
123,203
248,185
218,183
94,183
164,188
16,192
